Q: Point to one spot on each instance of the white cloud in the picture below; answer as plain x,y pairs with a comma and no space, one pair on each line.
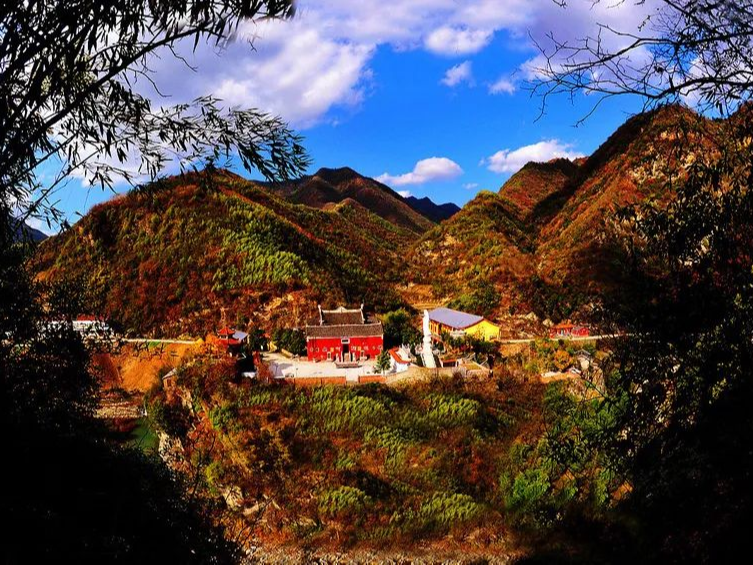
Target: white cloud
297,71
40,225
503,85
405,193
306,68
470,185
431,169
513,15
461,72
511,160
448,40
581,19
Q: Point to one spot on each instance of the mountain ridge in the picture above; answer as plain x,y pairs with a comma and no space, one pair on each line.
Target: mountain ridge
563,209
435,212
197,243
23,232
329,186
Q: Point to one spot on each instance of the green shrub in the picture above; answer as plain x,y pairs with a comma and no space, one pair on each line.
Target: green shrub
399,329
213,474
291,340
343,502
449,411
224,417
482,300
392,441
171,417
445,510
440,512
529,491
258,397
345,462
335,409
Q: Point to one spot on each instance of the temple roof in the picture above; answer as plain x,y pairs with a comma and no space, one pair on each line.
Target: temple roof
346,330
341,316
454,318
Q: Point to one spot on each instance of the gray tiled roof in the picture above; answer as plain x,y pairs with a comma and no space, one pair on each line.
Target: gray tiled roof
335,318
454,318
345,330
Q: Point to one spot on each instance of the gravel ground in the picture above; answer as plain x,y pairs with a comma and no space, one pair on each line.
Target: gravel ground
427,556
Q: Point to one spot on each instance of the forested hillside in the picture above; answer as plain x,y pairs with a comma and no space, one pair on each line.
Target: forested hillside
165,258
329,187
549,229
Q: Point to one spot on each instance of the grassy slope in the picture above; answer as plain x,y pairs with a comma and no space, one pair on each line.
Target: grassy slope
366,465
169,256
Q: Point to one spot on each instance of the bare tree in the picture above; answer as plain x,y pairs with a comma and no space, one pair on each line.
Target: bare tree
698,51
68,70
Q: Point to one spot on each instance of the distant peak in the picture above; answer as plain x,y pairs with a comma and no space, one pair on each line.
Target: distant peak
337,175
435,212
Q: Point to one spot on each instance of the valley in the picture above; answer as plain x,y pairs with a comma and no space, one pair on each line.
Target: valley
312,281
172,262
167,258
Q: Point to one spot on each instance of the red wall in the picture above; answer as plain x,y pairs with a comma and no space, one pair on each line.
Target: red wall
317,381
317,347
575,331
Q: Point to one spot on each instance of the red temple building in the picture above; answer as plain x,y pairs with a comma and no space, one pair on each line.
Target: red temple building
231,339
567,330
344,336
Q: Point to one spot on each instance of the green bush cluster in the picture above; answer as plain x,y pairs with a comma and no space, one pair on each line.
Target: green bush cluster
224,417
448,411
399,329
292,340
482,299
384,463
171,417
438,513
258,397
393,441
333,409
561,473
343,502
259,247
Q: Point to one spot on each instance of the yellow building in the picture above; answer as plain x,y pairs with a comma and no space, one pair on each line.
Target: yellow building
457,323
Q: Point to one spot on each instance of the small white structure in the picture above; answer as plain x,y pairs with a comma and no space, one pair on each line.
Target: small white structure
92,328
86,324
583,360
426,350
400,359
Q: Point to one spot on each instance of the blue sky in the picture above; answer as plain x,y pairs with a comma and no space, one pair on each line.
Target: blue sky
410,116
428,96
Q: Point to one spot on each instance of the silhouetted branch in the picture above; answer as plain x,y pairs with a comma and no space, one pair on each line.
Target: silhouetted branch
693,51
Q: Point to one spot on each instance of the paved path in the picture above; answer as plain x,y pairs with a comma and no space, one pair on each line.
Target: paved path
586,338
151,340
282,366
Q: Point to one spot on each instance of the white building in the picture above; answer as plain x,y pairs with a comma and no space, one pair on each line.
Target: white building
91,326
400,359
